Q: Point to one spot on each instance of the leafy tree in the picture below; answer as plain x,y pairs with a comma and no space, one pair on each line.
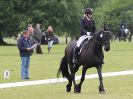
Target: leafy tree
71,19
113,11
63,15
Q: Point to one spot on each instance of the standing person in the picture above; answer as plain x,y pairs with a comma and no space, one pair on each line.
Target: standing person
49,37
87,29
37,36
30,29
24,46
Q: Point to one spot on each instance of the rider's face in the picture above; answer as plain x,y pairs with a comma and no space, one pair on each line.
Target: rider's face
89,15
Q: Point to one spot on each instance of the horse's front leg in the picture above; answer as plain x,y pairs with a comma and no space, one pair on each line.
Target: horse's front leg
78,87
68,86
101,86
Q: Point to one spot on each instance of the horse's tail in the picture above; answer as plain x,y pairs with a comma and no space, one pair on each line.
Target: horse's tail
63,68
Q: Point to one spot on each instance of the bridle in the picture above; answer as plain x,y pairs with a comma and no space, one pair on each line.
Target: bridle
103,43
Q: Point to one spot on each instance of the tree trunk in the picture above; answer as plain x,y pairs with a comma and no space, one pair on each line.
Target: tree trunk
1,40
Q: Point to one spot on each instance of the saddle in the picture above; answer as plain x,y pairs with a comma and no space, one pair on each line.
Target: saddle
81,45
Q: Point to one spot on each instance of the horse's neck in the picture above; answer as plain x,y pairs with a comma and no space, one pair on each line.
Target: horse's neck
93,44
97,45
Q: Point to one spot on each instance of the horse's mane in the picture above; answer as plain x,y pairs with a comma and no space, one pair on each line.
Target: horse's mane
98,32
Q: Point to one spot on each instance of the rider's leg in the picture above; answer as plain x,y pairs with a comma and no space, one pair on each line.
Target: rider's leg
75,56
76,49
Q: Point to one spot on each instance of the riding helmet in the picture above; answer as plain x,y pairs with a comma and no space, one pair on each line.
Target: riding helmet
88,11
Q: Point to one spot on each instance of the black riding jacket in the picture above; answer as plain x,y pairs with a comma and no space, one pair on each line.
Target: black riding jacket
87,26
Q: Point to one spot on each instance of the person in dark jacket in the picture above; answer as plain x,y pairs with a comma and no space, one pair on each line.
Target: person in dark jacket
30,29
87,30
24,45
37,36
49,37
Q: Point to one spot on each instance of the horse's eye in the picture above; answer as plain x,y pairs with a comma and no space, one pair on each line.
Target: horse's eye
101,35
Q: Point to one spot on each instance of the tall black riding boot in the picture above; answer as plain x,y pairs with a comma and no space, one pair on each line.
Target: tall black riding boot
75,56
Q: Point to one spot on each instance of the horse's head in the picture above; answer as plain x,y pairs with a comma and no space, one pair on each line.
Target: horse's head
106,36
103,38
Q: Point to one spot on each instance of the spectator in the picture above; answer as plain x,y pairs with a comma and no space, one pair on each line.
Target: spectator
49,37
37,36
24,46
30,29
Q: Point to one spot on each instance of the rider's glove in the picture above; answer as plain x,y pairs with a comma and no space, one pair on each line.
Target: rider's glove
88,33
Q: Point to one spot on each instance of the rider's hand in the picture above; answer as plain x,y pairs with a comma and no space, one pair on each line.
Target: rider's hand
88,33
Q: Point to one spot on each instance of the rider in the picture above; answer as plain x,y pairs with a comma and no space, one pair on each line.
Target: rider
87,30
123,24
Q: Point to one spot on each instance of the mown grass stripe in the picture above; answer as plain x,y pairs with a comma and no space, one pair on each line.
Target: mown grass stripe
55,80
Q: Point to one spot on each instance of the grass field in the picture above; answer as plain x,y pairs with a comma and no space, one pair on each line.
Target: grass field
45,66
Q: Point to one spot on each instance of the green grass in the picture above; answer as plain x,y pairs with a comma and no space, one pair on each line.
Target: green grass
116,88
45,66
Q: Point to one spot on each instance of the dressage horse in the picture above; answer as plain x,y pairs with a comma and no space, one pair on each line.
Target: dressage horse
91,55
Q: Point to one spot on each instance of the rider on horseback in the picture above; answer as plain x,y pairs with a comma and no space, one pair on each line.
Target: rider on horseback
123,26
87,30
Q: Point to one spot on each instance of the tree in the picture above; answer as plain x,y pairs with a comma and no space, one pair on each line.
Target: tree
114,11
72,16
12,17
63,15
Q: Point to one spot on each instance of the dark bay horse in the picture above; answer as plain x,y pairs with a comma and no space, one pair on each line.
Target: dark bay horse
91,55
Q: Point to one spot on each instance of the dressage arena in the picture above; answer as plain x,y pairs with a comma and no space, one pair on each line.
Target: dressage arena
117,75
48,81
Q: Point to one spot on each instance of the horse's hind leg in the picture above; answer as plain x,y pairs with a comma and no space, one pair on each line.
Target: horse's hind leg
101,86
78,87
73,71
69,78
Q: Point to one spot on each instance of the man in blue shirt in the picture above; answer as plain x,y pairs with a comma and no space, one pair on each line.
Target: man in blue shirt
24,45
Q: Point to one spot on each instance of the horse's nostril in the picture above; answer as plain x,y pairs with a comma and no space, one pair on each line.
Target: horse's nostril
107,48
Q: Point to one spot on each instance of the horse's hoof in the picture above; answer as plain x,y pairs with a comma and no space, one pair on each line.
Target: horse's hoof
76,92
68,88
77,89
102,92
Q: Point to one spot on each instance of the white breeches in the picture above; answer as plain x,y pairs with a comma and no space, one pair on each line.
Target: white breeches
82,38
126,31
